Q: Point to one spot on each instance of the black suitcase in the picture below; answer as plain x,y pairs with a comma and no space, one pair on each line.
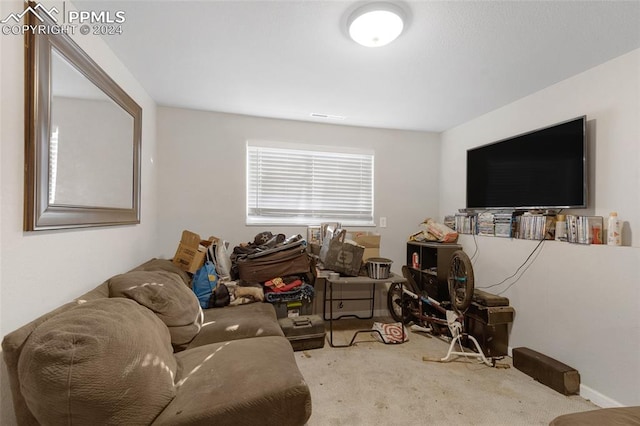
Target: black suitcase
293,261
488,319
487,299
304,332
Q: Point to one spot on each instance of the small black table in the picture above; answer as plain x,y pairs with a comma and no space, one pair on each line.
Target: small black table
350,281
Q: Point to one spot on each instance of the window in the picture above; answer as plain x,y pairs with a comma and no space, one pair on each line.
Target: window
290,184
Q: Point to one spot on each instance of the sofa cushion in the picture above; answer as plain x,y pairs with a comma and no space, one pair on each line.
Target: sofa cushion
106,361
237,322
241,382
603,416
166,295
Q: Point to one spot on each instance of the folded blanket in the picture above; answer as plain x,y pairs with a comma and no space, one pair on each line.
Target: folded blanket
241,295
278,285
303,292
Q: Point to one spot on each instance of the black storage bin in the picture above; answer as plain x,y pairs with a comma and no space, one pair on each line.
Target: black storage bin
294,308
304,332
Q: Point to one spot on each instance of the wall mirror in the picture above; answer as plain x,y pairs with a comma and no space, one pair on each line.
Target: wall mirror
82,139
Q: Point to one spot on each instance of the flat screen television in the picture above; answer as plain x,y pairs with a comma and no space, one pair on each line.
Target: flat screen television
541,169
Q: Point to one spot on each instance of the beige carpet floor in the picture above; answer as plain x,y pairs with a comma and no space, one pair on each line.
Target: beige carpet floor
376,384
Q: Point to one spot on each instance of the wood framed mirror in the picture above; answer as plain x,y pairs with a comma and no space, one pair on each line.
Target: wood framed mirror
82,138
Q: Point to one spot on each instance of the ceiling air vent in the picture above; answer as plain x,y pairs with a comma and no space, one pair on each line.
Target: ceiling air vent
327,116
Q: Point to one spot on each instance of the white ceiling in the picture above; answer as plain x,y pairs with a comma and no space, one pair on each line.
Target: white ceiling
287,59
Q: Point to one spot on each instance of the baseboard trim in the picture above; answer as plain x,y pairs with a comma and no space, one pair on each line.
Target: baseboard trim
597,398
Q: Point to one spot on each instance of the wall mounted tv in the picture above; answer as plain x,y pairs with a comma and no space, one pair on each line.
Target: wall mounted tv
541,169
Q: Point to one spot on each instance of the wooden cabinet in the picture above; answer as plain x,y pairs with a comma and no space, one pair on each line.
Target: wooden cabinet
429,266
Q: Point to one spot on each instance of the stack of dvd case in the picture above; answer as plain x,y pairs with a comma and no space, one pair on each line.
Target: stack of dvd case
535,226
485,223
503,224
450,221
584,229
466,223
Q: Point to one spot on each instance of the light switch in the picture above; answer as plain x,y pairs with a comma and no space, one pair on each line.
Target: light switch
383,222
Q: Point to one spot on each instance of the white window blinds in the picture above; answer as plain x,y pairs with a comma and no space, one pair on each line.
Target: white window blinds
292,185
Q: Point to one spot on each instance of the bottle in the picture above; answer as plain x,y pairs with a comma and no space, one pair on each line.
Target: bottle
561,228
613,230
415,262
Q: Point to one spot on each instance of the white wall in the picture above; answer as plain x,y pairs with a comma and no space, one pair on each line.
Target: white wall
578,304
42,270
202,165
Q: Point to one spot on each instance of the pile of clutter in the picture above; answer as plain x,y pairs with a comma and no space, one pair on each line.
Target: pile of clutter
280,264
271,267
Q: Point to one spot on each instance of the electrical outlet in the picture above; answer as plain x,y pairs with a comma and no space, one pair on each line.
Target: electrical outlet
383,222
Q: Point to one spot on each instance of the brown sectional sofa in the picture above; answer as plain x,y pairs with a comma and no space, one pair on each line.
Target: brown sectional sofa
138,349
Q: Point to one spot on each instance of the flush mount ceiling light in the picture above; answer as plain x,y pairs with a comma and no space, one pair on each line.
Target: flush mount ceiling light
376,24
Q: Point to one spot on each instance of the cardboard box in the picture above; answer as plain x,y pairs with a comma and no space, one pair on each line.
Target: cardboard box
370,242
191,251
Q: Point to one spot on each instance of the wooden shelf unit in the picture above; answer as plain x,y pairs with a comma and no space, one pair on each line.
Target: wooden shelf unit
433,262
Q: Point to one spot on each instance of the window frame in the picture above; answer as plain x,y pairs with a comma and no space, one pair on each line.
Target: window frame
306,220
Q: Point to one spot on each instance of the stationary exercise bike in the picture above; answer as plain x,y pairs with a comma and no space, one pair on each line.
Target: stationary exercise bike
410,304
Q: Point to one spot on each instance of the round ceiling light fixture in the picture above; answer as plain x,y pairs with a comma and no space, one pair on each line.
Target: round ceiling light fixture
376,24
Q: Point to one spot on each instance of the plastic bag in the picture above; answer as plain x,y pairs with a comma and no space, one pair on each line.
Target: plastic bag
433,231
344,256
218,253
204,282
442,232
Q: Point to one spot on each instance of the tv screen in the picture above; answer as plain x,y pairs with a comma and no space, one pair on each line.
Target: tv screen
545,168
